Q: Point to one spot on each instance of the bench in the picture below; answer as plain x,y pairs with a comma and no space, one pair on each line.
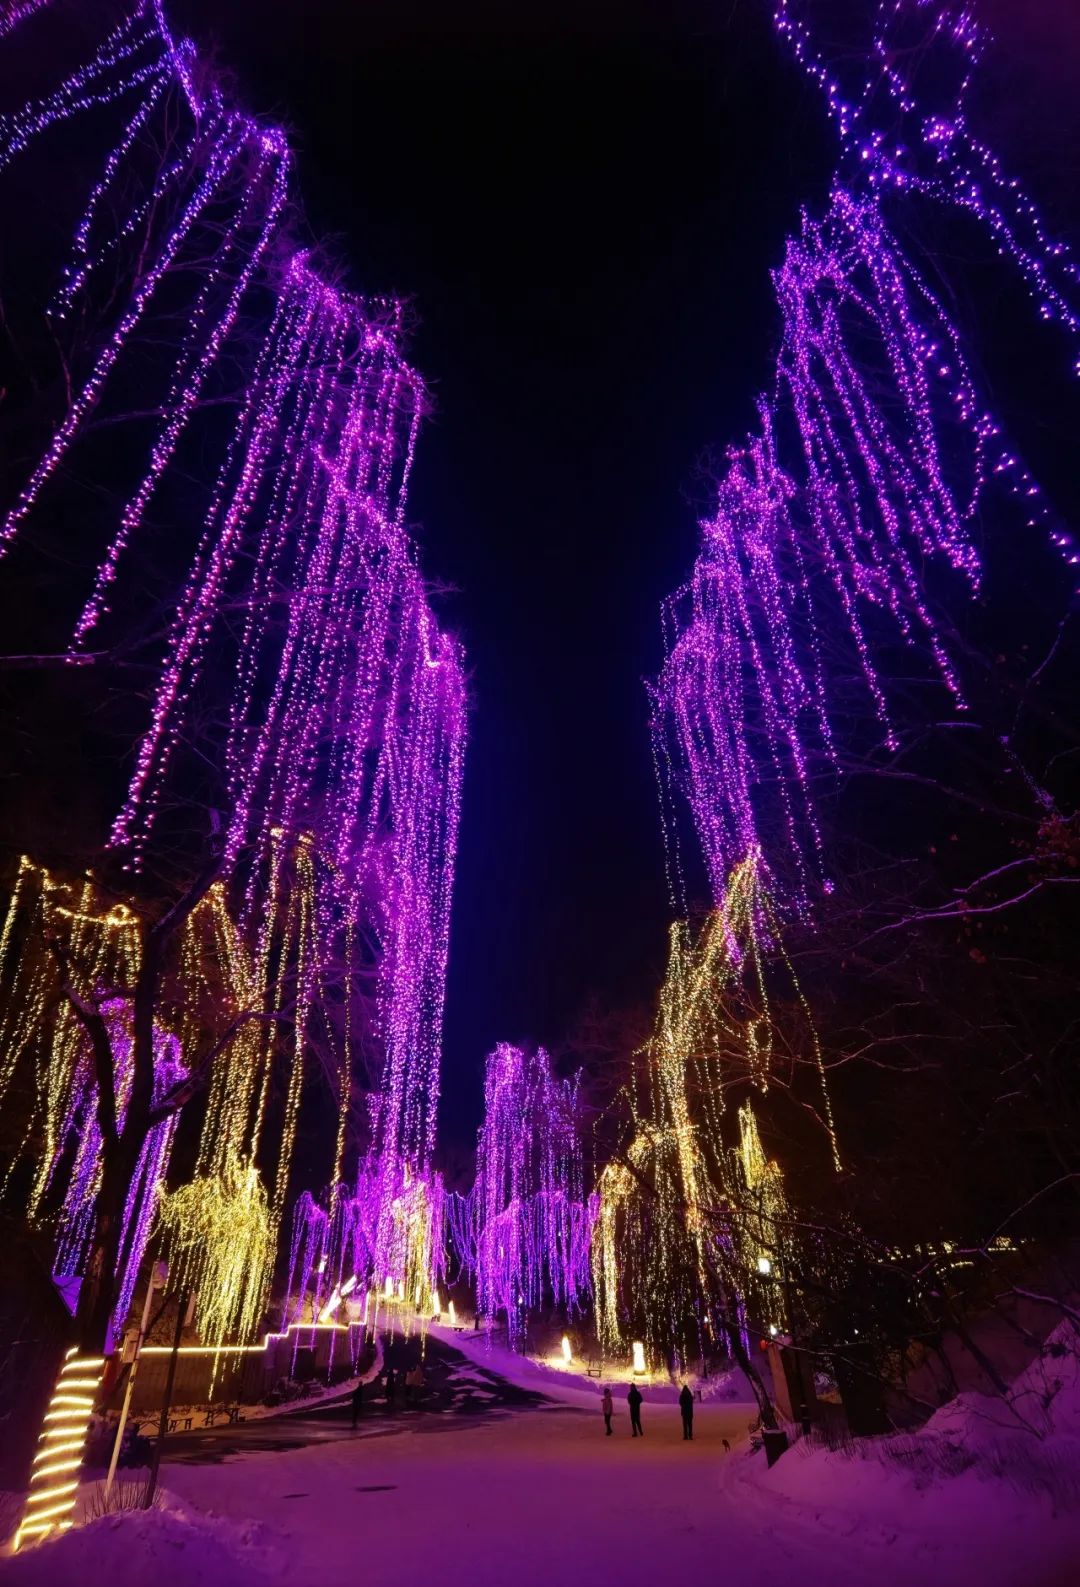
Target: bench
231,1414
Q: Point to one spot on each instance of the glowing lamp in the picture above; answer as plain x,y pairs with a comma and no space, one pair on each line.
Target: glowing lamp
773,1330
451,1314
567,1354
639,1355
764,1265
401,1289
388,1288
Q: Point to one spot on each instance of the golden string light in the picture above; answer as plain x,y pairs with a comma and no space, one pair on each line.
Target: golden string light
54,1477
50,919
58,931
221,1242
760,1229
413,1246
683,1219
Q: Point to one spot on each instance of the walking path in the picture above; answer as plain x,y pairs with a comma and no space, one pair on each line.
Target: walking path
496,1485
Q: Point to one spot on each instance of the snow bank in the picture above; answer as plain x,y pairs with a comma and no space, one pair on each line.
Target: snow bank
170,1544
987,1491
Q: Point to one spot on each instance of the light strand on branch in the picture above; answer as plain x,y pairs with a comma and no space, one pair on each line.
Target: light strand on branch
340,765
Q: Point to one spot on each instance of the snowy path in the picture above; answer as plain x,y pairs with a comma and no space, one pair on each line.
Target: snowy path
493,1487
538,1497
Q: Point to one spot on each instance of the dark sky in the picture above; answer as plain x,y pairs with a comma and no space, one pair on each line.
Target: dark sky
584,211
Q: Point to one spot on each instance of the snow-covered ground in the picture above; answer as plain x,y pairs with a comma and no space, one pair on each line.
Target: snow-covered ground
540,1496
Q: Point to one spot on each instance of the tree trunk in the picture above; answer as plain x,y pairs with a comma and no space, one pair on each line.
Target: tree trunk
97,1293
751,1374
121,1145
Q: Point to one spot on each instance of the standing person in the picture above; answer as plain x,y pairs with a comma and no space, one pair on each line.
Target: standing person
633,1399
686,1406
357,1404
607,1405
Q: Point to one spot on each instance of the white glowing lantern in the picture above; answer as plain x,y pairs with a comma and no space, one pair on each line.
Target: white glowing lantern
764,1265
451,1313
639,1355
773,1330
567,1353
401,1289
436,1304
388,1288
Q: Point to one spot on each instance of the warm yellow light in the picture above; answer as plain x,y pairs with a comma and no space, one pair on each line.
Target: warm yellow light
56,1470
764,1265
388,1288
60,1445
639,1355
50,1451
252,1349
451,1313
41,1495
221,1237
62,1507
567,1354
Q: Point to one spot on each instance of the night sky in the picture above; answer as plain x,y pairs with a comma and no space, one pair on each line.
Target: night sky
583,210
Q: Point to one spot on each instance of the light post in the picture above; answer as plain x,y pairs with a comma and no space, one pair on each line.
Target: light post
183,1303
159,1275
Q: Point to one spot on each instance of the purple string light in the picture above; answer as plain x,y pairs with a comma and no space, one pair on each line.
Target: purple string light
346,705
525,1232
80,1128
898,92
875,454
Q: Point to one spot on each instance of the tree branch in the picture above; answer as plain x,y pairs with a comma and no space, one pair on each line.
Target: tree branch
93,1022
183,1092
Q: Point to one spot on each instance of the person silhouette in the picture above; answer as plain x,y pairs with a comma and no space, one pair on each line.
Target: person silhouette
686,1406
